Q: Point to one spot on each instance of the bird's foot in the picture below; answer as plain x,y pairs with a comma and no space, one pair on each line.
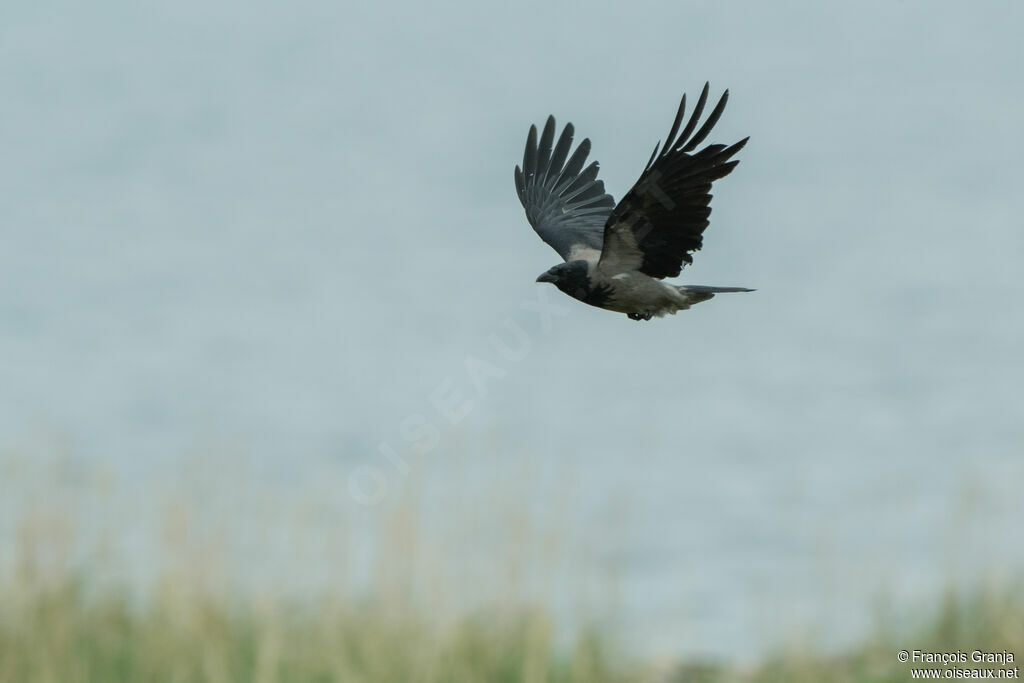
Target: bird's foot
639,316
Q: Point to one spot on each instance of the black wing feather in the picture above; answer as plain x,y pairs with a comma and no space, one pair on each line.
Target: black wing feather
712,119
565,203
662,219
692,123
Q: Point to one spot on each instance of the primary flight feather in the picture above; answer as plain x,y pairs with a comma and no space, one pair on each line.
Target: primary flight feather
616,255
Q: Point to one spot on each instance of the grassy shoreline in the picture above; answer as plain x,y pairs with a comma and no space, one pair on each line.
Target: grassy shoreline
70,611
63,632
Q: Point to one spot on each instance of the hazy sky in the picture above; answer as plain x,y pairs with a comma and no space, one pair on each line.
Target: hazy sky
221,200
286,225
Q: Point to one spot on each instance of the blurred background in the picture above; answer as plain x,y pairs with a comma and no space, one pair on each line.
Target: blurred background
268,321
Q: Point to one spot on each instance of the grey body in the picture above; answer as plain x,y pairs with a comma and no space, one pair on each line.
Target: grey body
639,296
617,255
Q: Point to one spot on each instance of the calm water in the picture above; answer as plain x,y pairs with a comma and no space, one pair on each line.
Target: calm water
256,254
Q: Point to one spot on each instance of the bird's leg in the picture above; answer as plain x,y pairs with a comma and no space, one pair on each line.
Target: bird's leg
639,316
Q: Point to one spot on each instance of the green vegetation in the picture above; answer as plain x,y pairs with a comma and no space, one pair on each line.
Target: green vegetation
60,632
69,612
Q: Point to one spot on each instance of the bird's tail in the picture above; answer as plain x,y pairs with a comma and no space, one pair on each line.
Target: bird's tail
698,293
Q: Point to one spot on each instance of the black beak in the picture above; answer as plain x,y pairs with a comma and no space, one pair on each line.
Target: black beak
545,277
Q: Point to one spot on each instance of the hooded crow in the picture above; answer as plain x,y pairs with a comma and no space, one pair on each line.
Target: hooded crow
616,255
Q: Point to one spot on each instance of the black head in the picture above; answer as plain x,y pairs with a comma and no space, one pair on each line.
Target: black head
569,277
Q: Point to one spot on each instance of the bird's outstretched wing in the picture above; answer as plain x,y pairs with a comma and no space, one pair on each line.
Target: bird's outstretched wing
565,203
662,219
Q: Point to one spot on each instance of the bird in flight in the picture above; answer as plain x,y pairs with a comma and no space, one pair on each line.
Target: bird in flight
616,255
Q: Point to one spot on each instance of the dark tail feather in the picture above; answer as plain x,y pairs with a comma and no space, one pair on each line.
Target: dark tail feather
697,293
702,289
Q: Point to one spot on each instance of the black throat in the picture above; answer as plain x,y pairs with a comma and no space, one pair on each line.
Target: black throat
574,281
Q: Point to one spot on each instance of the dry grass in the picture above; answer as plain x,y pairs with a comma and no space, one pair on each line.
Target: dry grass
62,633
67,617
